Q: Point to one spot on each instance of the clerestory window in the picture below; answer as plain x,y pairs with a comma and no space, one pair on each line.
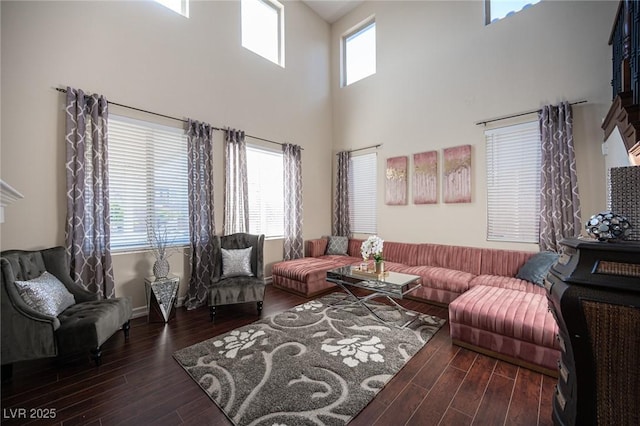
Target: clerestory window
263,29
359,53
496,10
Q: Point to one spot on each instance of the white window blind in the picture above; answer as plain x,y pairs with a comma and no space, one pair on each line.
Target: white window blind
513,183
266,195
363,194
147,182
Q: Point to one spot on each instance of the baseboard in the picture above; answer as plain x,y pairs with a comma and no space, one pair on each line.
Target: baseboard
139,312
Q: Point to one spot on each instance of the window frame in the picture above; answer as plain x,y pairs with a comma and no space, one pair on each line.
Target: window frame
279,9
151,185
184,7
273,152
487,11
369,203
516,178
350,35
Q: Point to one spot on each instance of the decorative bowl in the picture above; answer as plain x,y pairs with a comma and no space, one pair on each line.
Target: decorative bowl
608,226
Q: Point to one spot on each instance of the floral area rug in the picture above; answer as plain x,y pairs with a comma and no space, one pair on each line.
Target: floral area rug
313,364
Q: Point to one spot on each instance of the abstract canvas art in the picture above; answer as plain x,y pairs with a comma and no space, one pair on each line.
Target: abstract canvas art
396,181
425,177
457,174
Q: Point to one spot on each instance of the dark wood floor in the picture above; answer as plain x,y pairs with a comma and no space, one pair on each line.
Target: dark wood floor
140,383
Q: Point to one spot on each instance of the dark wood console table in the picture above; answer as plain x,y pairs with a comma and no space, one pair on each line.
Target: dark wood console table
594,293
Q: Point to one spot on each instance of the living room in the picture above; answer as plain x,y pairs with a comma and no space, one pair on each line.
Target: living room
440,70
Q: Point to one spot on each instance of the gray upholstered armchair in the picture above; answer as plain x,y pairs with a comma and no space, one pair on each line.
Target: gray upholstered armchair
33,289
238,271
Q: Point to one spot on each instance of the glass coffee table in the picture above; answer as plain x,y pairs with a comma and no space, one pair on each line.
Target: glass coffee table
390,285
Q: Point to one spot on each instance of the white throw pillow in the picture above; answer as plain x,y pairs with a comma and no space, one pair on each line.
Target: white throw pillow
46,294
236,263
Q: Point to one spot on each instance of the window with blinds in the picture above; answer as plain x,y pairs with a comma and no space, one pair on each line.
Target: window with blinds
266,195
363,194
513,183
147,182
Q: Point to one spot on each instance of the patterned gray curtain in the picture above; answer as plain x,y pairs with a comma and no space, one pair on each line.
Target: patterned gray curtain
201,219
87,225
293,242
236,203
560,201
341,223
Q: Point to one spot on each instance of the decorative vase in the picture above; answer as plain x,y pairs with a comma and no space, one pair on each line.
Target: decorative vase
380,267
161,268
608,226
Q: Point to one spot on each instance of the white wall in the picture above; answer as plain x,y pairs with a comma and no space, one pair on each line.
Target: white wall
440,70
144,55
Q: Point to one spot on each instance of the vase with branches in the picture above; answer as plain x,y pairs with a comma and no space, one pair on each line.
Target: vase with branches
161,247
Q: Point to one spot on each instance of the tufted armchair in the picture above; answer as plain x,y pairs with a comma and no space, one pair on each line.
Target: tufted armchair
28,333
235,281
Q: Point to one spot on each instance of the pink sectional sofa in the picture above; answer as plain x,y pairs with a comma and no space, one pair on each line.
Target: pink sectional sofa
490,310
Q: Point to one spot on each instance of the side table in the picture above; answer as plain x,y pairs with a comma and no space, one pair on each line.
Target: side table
161,296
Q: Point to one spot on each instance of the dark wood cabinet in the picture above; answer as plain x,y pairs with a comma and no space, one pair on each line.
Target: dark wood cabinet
594,293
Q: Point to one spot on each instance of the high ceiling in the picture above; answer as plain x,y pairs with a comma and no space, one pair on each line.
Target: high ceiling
332,10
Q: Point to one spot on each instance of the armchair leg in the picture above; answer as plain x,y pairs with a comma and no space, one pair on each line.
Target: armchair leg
259,307
212,312
7,372
96,355
126,327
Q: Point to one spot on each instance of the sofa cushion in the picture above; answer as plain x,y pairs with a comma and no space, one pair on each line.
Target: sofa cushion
89,324
537,267
507,282
354,248
404,253
524,316
466,259
46,294
505,263
442,278
339,260
510,322
301,269
316,247
337,245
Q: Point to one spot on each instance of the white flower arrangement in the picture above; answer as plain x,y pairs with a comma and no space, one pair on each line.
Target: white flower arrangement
372,247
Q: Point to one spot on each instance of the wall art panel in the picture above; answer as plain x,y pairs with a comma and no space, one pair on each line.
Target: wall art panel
425,177
457,174
396,181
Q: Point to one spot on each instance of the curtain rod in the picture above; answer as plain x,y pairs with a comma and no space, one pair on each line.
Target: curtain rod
175,118
484,122
361,149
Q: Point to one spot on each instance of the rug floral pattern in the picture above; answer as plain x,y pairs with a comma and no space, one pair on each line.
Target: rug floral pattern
310,365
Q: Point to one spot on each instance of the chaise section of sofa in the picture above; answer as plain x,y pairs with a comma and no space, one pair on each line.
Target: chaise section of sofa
506,323
307,276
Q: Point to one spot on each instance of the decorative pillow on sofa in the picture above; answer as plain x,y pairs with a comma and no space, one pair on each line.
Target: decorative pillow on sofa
236,263
46,294
337,245
536,268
